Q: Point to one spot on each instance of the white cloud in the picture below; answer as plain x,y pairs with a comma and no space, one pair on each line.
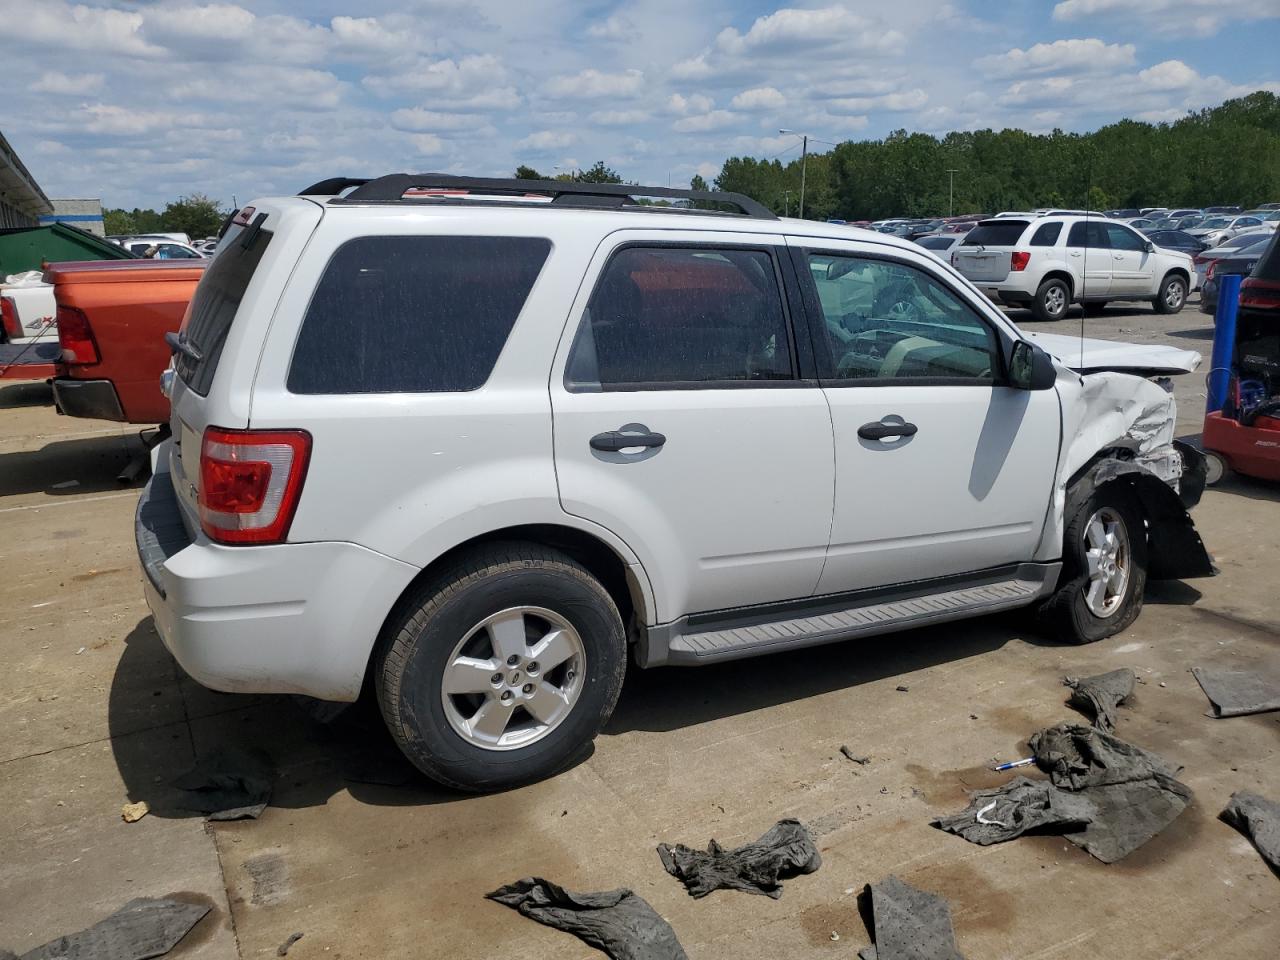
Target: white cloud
1174,17
593,84
1061,56
694,103
422,119
546,140
702,122
615,27
427,144
61,83
789,31
759,98
904,101
695,68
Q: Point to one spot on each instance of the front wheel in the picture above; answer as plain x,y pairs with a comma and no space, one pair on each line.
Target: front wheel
1104,569
503,669
1215,468
1051,300
1172,296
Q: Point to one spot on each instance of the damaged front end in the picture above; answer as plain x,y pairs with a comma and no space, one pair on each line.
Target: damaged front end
1118,428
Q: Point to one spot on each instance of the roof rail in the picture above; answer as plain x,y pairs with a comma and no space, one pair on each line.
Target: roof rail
332,187
392,188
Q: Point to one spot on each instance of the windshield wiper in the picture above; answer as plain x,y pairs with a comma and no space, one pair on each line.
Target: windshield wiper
178,343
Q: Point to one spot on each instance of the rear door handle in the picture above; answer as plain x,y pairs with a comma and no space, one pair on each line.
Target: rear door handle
615,440
878,430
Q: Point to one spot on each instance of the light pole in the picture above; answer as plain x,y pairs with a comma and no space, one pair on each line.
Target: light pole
786,203
804,160
951,192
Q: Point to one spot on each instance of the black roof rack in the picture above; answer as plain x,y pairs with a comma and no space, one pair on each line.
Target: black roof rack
392,189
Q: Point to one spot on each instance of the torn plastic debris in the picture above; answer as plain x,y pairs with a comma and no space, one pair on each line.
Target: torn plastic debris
1258,819
1236,693
618,922
141,929
1019,806
228,784
909,924
1101,695
786,850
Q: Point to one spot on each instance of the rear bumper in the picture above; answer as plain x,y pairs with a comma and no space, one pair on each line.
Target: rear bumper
288,618
1248,450
94,399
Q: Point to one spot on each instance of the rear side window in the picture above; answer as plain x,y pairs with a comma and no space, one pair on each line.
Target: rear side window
414,314
682,316
216,300
995,233
1046,235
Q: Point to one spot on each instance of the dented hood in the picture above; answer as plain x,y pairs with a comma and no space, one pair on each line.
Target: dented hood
1087,355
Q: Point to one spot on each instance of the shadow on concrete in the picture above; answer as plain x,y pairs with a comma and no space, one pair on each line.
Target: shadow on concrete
70,467
26,393
668,698
1203,334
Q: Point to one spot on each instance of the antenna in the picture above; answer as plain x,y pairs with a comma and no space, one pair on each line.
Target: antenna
1084,280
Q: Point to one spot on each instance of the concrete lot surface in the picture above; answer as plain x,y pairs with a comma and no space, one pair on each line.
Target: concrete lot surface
367,859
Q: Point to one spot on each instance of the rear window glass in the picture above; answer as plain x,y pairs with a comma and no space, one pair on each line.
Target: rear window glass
1046,235
936,243
995,233
414,314
216,300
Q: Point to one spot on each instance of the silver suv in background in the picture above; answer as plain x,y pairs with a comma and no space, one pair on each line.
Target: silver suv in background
1048,263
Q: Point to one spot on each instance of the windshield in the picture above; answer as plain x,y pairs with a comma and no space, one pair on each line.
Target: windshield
995,233
1214,223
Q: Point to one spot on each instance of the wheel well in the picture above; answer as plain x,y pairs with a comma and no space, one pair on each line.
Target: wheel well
1177,271
1064,277
595,555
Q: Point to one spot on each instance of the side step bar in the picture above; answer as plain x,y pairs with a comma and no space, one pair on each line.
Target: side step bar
826,620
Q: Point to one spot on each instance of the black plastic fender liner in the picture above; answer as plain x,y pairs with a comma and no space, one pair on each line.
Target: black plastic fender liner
1175,550
1194,470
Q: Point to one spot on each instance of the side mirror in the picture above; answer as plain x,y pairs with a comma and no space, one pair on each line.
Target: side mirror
1151,247
1030,368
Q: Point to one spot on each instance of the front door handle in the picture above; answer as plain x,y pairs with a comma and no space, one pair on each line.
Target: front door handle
878,430
615,440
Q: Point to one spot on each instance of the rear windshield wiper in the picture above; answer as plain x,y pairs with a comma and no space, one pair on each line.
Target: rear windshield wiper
178,343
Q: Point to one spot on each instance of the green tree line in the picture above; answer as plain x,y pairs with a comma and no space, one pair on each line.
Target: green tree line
195,215
1229,154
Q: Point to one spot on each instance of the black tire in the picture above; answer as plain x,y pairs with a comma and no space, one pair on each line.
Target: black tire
1066,615
422,633
1052,300
1172,296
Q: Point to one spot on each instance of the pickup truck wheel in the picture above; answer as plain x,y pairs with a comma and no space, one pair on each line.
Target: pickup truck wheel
1051,300
503,669
1172,296
1104,569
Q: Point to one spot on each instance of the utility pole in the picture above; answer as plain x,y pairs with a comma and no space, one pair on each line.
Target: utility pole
804,160
786,203
951,193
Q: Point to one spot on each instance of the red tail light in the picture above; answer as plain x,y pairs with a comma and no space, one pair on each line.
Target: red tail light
250,482
9,318
1260,293
1209,270
76,337
1018,260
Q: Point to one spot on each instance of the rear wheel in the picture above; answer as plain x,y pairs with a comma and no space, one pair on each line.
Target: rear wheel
503,669
1104,569
1172,296
1051,300
1215,468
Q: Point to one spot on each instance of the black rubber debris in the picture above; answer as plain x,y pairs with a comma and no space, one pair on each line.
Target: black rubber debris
1133,791
1258,819
1021,805
908,924
1235,693
786,850
617,922
283,949
139,930
1097,697
850,755
228,784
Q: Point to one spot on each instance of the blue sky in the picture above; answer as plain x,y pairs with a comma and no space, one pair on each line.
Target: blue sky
139,101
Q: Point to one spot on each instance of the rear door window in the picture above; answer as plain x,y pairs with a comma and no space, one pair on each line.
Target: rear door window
216,300
413,314
995,233
1088,234
682,317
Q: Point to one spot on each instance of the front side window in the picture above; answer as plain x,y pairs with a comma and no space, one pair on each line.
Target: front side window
682,316
1122,239
890,321
413,314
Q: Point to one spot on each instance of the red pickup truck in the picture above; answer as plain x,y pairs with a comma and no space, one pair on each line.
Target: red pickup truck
112,321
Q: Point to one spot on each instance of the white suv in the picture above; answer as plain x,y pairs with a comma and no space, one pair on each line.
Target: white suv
1048,263
474,453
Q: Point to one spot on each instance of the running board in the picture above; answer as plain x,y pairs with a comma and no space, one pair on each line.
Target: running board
825,621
